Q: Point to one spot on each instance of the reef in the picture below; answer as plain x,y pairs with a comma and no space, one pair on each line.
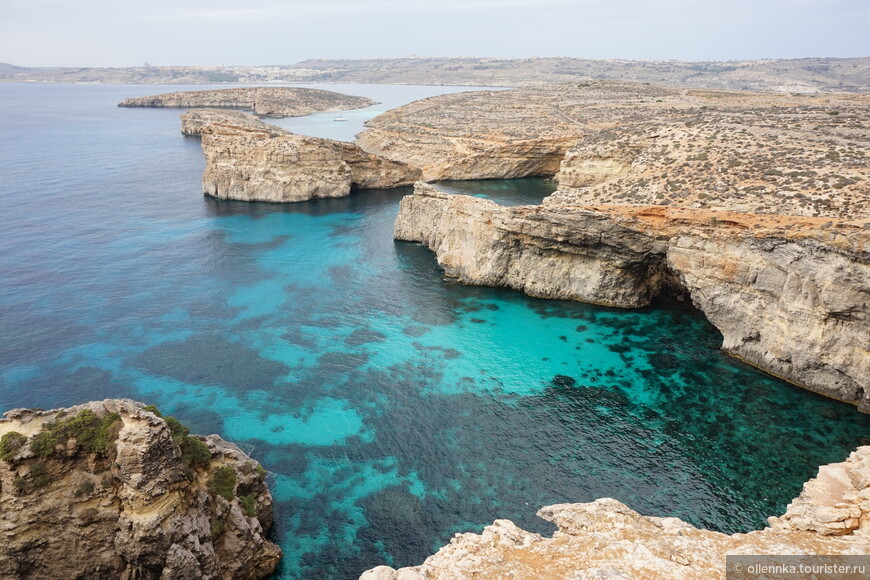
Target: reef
111,489
248,162
262,101
789,294
607,539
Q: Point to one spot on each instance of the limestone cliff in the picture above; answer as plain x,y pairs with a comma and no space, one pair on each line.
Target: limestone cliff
606,539
789,295
112,490
262,101
480,135
248,163
626,143
194,120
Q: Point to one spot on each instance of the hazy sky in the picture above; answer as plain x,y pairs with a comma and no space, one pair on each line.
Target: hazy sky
259,32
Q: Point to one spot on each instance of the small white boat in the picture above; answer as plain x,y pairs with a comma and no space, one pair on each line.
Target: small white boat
339,119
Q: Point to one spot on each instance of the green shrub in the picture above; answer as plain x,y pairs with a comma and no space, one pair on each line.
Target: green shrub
43,443
153,409
261,471
223,482
10,444
194,453
217,527
39,475
86,488
92,433
176,427
249,505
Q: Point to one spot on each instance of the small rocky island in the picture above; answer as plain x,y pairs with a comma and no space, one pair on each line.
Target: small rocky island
606,539
112,489
262,101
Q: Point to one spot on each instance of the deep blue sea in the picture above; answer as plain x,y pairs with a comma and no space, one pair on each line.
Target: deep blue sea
393,407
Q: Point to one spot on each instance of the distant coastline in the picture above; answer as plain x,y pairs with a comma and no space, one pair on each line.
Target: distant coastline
807,75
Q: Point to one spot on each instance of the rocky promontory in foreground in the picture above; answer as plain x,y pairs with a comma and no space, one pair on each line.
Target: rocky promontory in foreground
262,101
606,539
248,160
789,294
113,490
628,143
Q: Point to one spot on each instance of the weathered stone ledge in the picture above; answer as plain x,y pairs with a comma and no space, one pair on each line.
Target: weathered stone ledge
112,490
262,101
606,539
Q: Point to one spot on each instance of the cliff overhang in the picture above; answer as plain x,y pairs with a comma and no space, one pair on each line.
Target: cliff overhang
790,295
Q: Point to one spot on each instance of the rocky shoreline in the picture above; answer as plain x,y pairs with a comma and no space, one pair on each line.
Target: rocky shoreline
634,144
111,489
248,160
788,294
262,101
658,188
607,539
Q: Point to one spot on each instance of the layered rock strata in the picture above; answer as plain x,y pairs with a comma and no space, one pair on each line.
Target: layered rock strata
625,143
790,295
194,120
262,101
112,490
606,539
253,164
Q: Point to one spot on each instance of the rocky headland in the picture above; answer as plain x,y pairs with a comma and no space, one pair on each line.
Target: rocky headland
113,490
262,101
194,120
606,539
789,294
628,143
252,161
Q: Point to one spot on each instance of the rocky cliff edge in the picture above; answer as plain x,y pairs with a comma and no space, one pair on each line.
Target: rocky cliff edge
606,539
248,162
790,295
111,489
262,101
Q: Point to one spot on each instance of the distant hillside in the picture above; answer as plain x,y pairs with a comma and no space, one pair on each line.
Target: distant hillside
808,75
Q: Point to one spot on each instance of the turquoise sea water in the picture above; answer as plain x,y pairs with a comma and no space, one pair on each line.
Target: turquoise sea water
393,407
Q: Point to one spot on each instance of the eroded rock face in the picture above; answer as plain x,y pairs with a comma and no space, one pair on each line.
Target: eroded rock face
194,120
479,135
249,163
135,508
262,101
628,143
606,539
789,294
